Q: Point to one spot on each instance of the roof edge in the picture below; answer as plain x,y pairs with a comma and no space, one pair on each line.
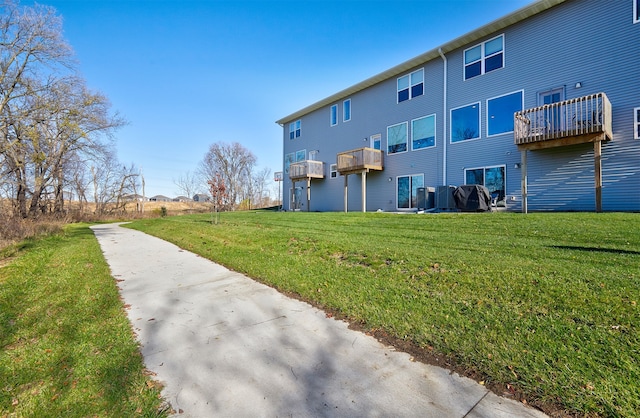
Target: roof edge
496,25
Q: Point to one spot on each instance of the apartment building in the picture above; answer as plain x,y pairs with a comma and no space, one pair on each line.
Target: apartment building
542,107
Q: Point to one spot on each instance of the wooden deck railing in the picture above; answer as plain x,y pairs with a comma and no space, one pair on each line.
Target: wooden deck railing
361,159
577,120
307,169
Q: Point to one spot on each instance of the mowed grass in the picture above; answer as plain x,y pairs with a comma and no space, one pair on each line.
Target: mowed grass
545,305
66,346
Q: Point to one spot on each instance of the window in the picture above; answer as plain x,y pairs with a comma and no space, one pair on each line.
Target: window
636,11
423,132
346,110
288,160
375,141
334,115
408,190
636,130
294,129
465,123
490,177
301,155
483,58
397,138
500,112
411,85
333,171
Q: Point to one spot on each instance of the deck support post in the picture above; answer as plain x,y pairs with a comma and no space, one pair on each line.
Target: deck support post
308,194
523,179
346,192
364,191
597,156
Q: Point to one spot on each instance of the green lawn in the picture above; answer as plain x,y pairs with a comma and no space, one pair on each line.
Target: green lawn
66,346
543,304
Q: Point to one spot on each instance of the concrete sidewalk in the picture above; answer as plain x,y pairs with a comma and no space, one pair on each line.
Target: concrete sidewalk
226,346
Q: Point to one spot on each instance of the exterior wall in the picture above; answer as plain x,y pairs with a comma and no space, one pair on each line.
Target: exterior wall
588,42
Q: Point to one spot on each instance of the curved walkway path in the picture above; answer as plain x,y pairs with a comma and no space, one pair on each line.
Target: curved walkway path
224,345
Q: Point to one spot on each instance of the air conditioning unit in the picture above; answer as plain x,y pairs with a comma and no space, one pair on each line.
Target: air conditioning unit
444,198
426,197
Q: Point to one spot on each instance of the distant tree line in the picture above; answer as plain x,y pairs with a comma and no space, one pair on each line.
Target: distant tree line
56,135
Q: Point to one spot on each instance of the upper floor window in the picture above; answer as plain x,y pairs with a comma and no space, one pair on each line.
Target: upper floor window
636,130
411,85
500,112
465,123
346,110
636,11
483,58
375,141
333,171
397,138
294,129
334,115
423,132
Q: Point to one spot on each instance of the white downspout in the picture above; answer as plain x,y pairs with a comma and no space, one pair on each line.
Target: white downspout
444,120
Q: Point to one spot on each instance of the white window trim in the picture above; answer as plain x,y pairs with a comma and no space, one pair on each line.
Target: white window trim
410,85
331,121
435,131
407,175
479,123
487,112
636,124
289,159
636,6
295,129
333,169
407,129
344,109
484,173
483,57
376,137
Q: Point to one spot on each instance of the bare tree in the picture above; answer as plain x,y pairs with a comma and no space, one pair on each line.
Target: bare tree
31,49
188,184
218,192
234,164
69,121
113,183
260,180
47,116
77,179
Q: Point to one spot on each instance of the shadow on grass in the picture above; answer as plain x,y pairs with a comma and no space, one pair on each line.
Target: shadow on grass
595,249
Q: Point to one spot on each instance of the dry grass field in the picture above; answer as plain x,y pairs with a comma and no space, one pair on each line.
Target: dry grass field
15,229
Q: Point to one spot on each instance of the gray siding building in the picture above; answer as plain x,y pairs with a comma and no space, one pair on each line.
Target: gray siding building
542,107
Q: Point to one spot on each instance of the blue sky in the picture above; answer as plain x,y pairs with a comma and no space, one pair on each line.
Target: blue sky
189,73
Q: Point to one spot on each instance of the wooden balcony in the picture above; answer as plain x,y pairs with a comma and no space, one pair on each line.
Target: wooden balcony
359,160
576,121
303,170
